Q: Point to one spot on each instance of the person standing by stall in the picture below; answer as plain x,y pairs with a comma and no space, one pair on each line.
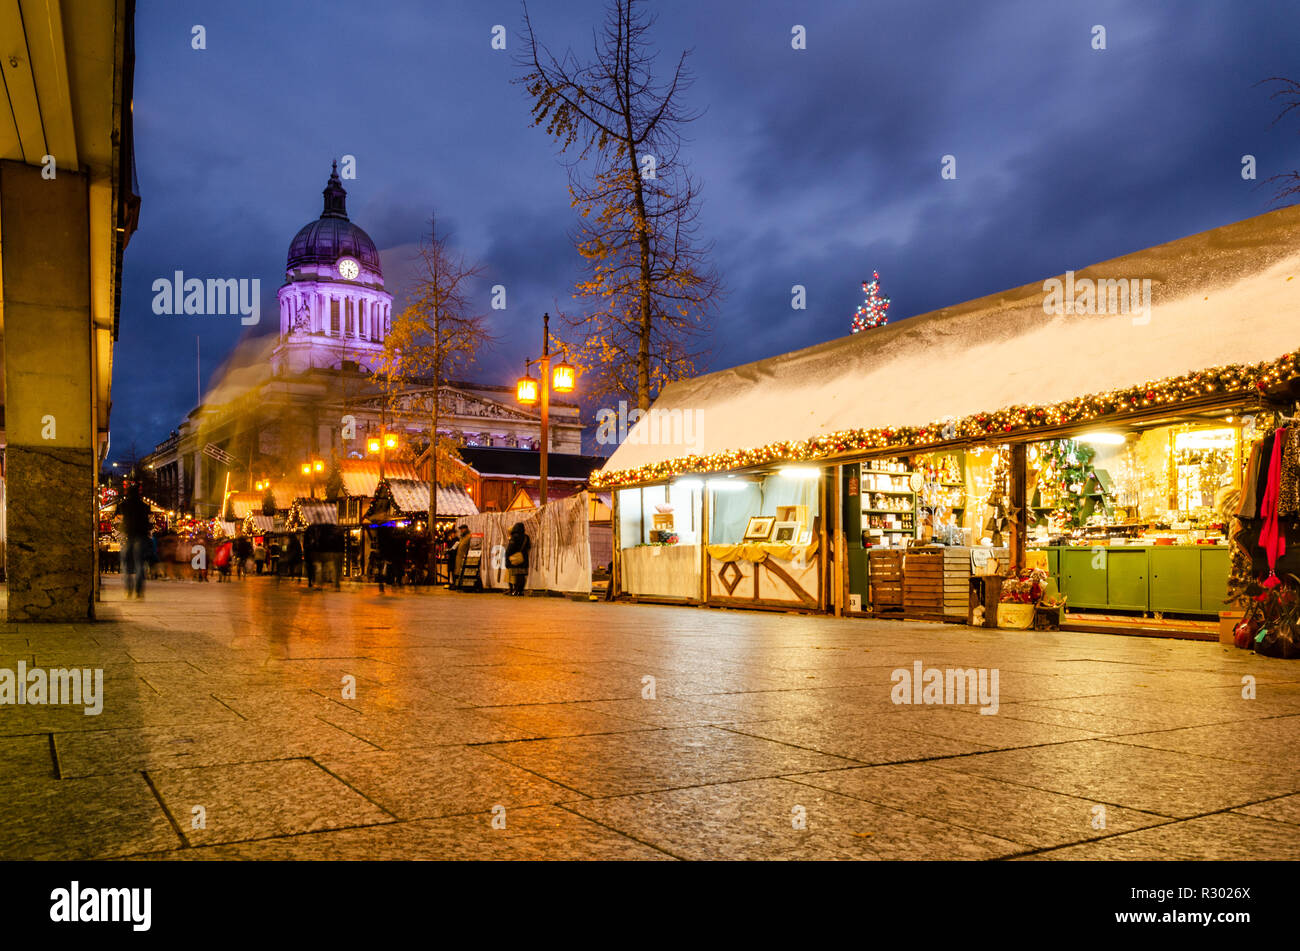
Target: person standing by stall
517,551
458,553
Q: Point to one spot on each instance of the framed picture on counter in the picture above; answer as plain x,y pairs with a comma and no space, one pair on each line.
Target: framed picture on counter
785,532
759,528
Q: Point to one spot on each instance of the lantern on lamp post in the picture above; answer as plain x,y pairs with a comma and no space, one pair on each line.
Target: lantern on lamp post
310,469
563,378
381,445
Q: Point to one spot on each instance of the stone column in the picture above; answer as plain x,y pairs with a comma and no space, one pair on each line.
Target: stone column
51,553
198,481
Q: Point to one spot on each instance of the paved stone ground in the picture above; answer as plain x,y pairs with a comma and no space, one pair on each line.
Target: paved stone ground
470,707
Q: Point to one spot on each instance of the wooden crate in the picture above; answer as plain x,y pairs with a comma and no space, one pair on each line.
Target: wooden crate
885,577
923,582
956,582
985,591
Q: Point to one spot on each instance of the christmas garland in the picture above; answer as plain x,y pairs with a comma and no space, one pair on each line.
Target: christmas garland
1257,379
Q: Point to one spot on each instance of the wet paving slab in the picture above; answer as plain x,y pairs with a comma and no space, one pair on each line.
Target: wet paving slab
349,725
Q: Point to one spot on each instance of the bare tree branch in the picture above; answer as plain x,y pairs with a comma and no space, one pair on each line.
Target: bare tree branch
650,284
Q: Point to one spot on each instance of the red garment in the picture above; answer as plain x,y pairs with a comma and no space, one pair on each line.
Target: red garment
1270,538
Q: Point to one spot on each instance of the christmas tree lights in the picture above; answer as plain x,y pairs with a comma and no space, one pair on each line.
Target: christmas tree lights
873,311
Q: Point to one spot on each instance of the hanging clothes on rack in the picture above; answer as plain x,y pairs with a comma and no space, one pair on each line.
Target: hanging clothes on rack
1288,493
1249,505
1270,537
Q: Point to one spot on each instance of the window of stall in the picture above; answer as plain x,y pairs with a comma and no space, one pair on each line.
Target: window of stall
781,506
667,514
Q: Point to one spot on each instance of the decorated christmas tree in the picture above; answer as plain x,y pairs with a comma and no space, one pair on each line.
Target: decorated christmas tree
1068,481
872,312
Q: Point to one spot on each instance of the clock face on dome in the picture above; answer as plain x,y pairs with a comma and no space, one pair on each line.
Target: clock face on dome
348,268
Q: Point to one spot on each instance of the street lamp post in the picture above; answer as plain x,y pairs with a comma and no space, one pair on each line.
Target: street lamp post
380,445
310,469
526,392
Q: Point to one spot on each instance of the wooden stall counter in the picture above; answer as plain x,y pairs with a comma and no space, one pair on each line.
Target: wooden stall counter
662,571
765,574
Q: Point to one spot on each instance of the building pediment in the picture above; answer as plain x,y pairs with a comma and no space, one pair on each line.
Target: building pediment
455,402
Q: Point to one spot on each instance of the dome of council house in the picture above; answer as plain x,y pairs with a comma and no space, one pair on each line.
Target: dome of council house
331,236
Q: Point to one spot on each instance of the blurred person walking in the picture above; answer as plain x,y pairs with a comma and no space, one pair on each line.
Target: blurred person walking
225,553
136,524
329,538
243,553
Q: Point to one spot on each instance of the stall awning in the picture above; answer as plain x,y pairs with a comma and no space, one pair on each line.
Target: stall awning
262,523
1220,298
242,504
361,476
411,496
315,512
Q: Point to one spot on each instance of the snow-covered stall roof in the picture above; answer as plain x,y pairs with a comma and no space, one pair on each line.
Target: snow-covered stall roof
313,512
1221,297
361,476
412,497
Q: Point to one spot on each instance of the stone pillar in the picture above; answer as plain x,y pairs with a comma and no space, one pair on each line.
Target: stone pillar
198,481
51,553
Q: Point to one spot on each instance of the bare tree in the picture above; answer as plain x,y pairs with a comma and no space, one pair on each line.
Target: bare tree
1288,91
650,279
436,335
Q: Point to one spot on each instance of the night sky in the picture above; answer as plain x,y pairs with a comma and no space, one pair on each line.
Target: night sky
817,166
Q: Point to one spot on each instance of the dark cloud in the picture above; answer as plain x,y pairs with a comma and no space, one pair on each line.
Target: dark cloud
817,165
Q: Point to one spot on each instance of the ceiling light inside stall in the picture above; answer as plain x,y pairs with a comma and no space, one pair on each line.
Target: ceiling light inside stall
1102,439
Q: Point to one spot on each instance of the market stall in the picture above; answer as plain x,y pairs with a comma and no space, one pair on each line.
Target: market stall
1162,349
751,539
560,557
659,539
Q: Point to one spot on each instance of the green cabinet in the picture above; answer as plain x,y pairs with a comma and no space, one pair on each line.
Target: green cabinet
1083,577
1215,563
1126,579
1175,579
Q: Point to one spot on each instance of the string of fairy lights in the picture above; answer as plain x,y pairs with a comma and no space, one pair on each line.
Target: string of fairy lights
1236,379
